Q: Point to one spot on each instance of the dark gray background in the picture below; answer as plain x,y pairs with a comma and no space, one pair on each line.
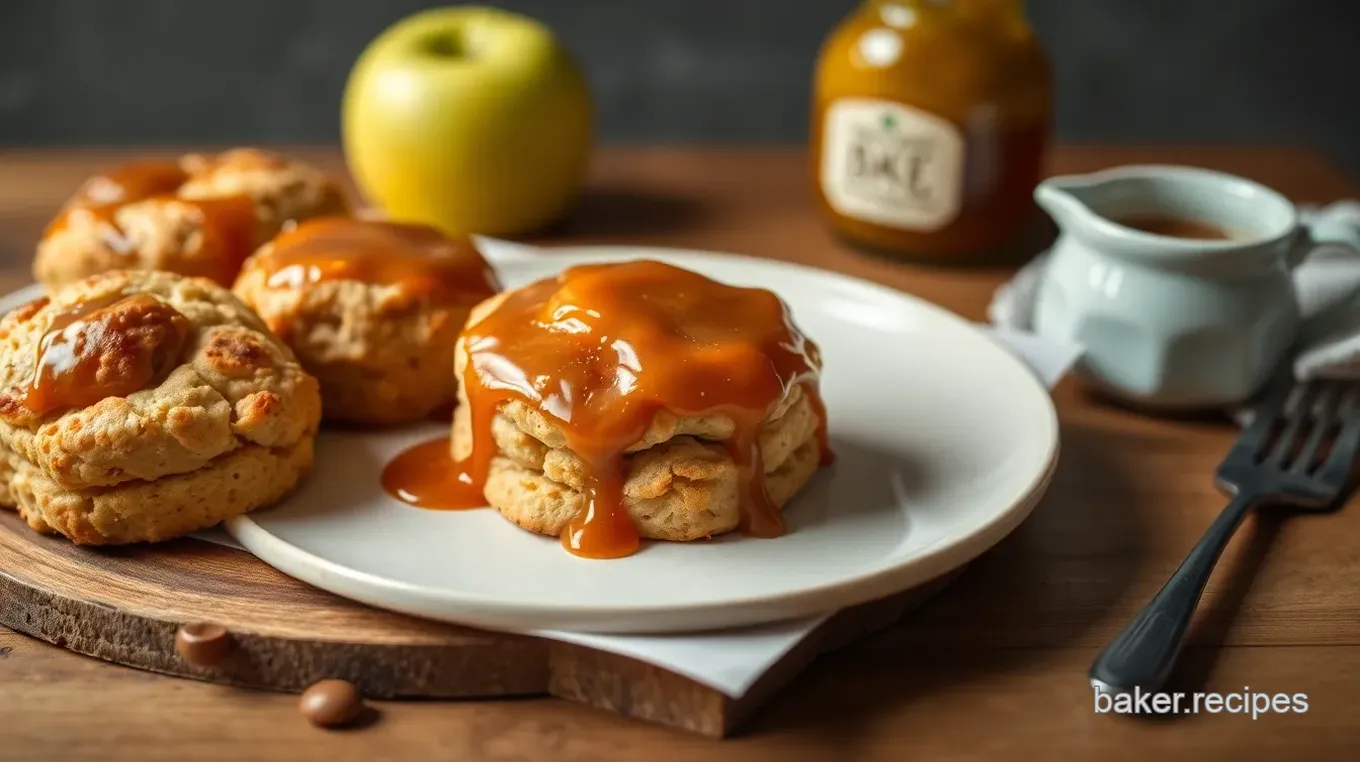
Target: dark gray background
271,71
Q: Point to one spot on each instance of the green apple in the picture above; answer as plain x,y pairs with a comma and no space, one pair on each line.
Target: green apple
471,119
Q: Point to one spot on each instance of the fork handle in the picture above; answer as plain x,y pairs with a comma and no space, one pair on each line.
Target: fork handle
1144,652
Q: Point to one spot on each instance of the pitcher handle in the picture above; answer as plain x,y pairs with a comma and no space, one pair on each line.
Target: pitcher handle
1343,237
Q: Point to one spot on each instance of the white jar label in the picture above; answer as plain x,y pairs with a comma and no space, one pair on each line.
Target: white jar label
891,164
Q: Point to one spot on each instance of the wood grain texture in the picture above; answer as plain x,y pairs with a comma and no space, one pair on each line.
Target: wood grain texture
994,668
125,605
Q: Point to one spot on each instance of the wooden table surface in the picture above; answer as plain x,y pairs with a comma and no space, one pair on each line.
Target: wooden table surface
993,669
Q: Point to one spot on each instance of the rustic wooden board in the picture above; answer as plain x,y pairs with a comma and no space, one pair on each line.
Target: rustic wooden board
125,605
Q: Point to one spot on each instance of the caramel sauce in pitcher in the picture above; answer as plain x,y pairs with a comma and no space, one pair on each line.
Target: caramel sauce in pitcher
600,350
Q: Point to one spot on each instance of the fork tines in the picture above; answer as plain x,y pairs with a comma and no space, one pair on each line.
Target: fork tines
1308,430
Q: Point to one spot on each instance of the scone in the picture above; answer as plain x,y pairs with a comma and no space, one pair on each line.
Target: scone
141,406
637,400
684,487
199,216
372,309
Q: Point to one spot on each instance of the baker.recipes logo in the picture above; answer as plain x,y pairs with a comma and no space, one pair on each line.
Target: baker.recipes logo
1246,701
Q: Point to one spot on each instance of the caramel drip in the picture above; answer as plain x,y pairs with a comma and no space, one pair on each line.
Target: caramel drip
416,258
427,476
229,223
110,346
601,350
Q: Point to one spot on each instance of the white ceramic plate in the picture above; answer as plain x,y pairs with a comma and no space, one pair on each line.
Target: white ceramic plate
944,443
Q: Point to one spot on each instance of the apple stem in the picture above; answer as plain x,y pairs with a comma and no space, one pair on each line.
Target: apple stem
446,45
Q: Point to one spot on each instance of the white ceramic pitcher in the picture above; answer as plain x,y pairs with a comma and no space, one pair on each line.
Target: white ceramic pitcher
1171,321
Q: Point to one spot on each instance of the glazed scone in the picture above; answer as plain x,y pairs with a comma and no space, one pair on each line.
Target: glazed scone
372,309
200,215
141,406
679,487
676,407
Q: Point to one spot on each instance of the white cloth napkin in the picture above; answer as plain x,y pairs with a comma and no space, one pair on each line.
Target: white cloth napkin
731,661
1329,349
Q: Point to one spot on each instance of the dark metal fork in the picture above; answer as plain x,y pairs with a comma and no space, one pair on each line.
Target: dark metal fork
1298,451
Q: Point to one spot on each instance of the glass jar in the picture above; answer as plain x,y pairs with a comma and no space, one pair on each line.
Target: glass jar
930,123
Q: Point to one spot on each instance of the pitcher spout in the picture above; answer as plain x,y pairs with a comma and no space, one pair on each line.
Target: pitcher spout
1065,199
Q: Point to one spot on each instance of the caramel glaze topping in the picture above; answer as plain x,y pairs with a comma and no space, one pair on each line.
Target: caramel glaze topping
601,350
228,223
110,346
418,259
131,182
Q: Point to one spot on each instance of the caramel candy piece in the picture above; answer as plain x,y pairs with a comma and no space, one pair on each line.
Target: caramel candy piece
331,703
203,644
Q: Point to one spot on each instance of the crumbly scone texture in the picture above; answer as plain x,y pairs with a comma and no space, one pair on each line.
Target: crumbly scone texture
229,428
166,233
162,509
283,189
382,356
681,483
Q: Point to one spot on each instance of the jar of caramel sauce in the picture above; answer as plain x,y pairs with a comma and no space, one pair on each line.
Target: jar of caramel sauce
930,123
